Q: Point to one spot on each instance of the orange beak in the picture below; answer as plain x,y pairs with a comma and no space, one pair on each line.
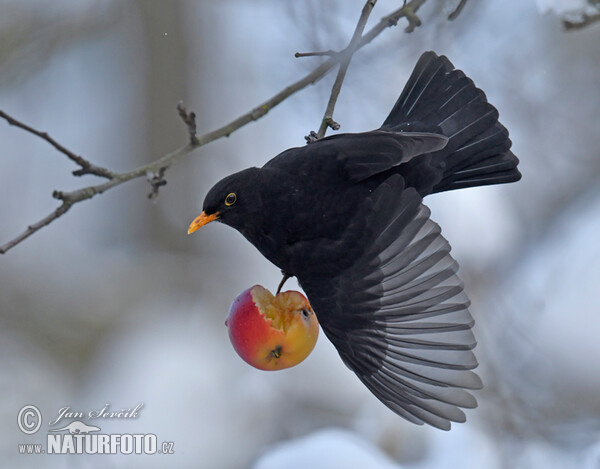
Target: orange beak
202,220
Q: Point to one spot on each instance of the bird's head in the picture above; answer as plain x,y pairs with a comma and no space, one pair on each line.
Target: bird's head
233,200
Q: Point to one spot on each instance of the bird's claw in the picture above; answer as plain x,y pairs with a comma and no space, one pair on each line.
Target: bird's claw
312,137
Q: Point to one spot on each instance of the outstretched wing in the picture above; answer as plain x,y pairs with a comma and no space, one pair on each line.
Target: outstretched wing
398,316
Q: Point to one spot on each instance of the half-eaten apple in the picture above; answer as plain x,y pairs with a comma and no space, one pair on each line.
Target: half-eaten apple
272,332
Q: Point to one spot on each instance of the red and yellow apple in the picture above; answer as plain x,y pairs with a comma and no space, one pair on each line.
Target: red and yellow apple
272,332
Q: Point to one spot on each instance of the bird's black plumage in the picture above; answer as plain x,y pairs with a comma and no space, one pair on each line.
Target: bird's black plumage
345,216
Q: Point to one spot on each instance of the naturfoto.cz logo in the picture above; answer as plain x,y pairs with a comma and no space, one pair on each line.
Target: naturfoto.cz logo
83,438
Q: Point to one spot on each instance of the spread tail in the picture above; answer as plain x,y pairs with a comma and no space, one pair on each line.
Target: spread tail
438,98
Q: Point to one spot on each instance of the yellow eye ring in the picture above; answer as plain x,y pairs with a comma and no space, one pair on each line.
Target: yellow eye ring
230,199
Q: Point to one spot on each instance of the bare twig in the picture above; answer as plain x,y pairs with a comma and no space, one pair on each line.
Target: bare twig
159,166
339,79
36,226
71,198
326,53
156,180
190,120
86,166
408,10
413,20
457,10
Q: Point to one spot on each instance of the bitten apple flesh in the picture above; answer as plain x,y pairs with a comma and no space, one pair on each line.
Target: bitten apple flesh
272,332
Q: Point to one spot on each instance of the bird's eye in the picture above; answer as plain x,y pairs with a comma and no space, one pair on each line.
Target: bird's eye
230,199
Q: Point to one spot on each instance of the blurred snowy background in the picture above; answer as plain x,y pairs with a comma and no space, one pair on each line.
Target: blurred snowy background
113,303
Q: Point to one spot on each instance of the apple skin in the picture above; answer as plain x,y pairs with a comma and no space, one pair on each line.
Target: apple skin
272,332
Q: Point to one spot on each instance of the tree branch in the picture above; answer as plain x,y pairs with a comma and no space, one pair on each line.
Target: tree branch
457,10
326,53
86,166
60,211
339,79
189,119
413,20
408,10
155,171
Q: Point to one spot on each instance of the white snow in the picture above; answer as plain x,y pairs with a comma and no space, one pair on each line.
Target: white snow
326,449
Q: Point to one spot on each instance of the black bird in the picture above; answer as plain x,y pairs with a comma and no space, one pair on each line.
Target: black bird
345,216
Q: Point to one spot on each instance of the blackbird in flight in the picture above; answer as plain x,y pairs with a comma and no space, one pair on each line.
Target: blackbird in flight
345,216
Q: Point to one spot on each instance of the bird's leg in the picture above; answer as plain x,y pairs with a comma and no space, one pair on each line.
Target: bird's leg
286,276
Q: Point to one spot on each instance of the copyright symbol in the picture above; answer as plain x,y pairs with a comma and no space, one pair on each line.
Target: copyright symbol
29,419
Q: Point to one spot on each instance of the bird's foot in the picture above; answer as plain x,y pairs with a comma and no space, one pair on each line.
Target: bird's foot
312,137
286,276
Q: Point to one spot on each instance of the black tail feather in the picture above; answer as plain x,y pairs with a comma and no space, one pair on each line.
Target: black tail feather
438,98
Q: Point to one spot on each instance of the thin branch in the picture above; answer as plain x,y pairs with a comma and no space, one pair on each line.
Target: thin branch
162,164
457,10
86,166
60,211
326,53
413,20
189,120
408,11
156,180
339,79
